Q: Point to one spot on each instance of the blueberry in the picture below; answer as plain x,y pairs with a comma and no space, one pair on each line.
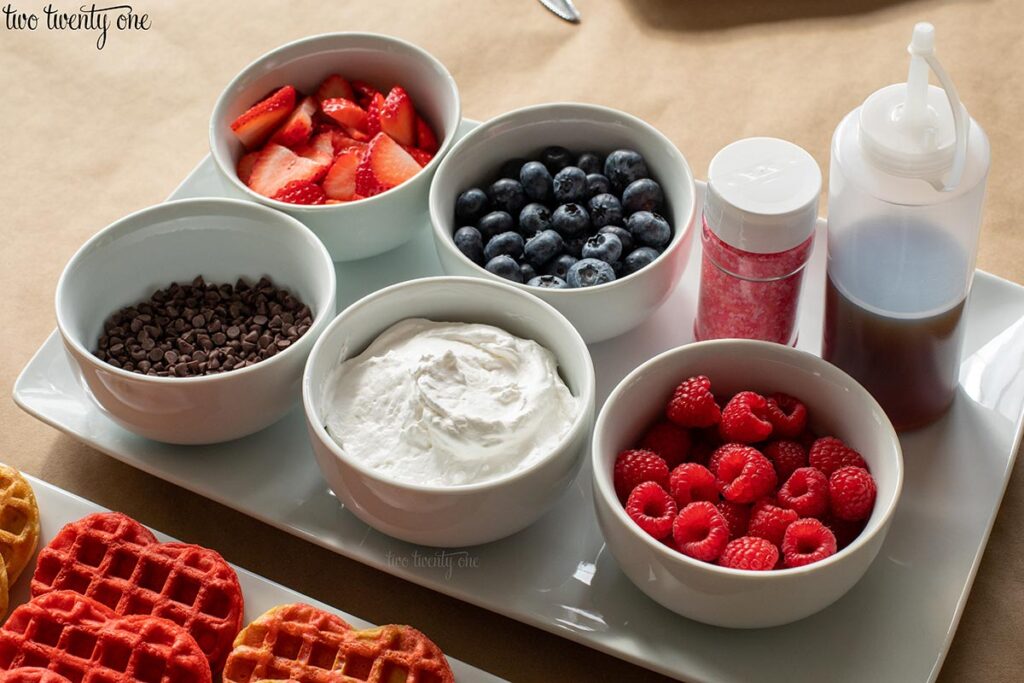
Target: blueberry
642,195
622,234
548,282
527,272
574,246
649,229
590,162
560,266
470,243
510,169
597,184
471,205
495,223
589,272
617,269
505,244
543,247
637,259
506,267
570,185
623,166
604,247
534,218
570,220
536,181
605,209
556,158
507,195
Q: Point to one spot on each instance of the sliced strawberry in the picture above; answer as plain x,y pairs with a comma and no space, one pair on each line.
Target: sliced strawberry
340,182
398,117
301,192
346,112
319,150
425,138
421,156
299,126
342,142
334,86
364,93
277,166
245,165
373,110
260,120
384,166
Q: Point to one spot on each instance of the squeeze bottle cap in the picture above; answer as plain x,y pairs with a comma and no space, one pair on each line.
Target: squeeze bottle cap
916,130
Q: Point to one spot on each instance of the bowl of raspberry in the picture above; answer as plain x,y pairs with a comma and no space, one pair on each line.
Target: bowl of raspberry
742,483
588,208
342,131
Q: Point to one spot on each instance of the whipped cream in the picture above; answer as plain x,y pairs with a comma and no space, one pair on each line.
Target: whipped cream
444,404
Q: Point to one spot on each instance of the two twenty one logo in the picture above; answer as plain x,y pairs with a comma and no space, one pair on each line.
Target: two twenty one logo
86,18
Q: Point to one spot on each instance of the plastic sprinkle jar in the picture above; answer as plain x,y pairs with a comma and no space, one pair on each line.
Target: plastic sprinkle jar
758,231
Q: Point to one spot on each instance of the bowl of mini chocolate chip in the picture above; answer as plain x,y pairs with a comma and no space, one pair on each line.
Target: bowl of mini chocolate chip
190,322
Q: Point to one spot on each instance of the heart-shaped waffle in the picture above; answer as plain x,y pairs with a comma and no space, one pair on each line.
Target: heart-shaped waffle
84,641
31,674
19,522
302,643
118,562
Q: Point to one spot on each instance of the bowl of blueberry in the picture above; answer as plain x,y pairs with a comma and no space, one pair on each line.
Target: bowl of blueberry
586,207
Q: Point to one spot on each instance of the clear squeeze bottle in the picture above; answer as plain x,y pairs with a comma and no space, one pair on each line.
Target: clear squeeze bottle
906,185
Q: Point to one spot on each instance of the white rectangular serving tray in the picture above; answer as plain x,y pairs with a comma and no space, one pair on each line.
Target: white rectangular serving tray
895,625
57,507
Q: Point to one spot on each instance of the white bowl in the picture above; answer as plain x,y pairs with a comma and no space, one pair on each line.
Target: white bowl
221,239
600,312
730,597
457,515
370,226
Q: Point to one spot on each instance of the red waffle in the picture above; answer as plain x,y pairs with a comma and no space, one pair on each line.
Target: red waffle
84,641
116,561
302,644
31,674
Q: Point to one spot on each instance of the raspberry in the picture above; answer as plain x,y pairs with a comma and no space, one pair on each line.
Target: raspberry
786,456
667,440
690,481
787,415
721,452
844,531
737,516
693,404
634,467
806,492
807,541
705,442
769,521
828,454
744,418
743,474
748,552
700,531
851,492
652,509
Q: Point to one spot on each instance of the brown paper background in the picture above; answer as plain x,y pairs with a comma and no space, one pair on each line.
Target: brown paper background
89,136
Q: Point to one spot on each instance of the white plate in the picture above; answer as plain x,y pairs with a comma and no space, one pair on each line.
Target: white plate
57,507
895,625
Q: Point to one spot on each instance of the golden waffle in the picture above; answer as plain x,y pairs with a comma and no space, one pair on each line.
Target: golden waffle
4,596
19,522
302,644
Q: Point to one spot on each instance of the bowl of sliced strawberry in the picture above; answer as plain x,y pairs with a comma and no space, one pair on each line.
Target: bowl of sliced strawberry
342,131
743,483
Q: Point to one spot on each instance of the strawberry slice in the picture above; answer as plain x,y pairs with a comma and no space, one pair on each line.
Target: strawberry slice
373,110
334,86
421,156
364,93
277,166
425,138
346,112
301,192
343,142
299,126
319,150
398,117
384,166
245,165
340,182
260,120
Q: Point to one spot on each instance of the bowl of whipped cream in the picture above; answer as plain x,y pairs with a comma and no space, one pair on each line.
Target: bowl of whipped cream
449,411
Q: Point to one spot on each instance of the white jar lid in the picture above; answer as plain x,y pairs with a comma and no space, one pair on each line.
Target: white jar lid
762,195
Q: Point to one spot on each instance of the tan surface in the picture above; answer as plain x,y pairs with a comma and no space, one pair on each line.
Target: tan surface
89,136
